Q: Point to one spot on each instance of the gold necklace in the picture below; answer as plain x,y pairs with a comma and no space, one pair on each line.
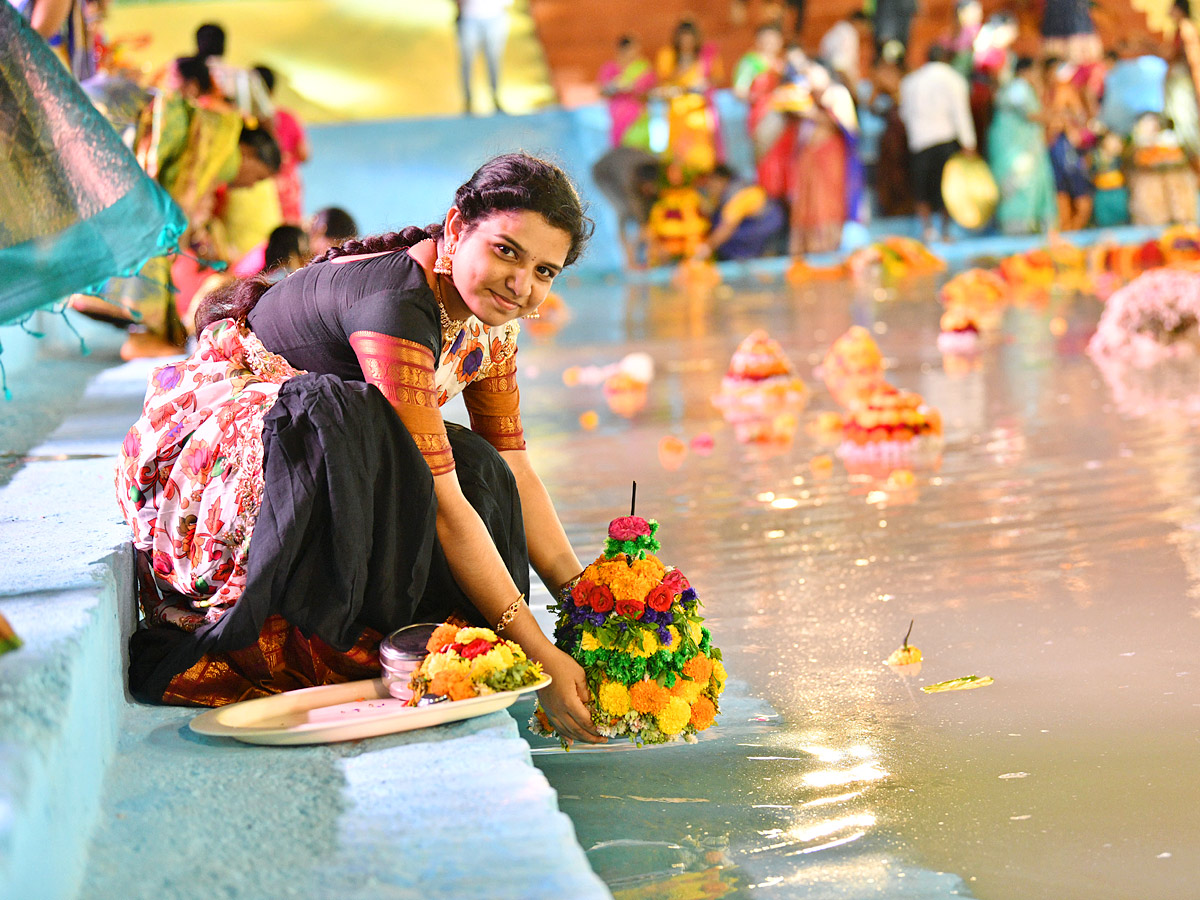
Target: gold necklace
450,328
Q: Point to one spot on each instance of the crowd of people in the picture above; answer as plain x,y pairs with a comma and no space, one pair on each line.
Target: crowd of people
1074,136
213,138
851,130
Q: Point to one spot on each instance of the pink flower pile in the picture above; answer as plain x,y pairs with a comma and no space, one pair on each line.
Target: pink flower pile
1154,317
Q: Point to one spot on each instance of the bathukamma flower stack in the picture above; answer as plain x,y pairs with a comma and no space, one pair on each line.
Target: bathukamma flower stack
634,625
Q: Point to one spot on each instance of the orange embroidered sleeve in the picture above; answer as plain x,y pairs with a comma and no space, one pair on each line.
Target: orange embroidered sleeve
403,371
494,404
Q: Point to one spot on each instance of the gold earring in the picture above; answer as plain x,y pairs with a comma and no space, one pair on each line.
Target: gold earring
532,315
445,263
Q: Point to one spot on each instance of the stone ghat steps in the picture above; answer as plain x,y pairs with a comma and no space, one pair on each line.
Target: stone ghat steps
101,797
60,583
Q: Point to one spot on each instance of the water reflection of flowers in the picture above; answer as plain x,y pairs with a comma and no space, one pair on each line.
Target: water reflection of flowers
709,884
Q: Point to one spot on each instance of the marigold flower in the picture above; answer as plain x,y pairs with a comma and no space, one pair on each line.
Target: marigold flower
507,657
589,642
699,668
674,717
444,662
703,713
453,683
694,631
627,582
485,664
686,690
443,636
718,676
649,697
614,698
649,645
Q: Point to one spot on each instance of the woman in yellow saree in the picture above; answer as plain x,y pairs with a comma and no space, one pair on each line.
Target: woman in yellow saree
688,71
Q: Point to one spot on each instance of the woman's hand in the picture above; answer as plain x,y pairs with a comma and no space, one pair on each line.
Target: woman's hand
565,699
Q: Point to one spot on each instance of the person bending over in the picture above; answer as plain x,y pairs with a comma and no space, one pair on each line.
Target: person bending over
293,489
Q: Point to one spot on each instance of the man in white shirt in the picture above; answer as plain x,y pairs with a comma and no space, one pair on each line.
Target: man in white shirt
935,107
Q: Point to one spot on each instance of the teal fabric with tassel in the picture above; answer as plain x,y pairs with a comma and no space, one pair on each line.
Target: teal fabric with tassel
75,207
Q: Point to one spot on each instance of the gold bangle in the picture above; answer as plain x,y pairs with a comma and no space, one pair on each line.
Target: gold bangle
510,614
570,585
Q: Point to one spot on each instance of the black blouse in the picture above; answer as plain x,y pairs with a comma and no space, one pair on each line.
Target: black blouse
309,316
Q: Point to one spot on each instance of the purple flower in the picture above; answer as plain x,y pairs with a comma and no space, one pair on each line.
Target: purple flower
168,376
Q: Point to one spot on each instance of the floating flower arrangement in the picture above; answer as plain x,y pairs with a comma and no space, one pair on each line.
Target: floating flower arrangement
634,625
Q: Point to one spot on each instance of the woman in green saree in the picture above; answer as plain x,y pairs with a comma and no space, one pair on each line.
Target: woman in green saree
1019,159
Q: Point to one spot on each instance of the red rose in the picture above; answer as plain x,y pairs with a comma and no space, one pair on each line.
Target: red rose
660,598
600,598
631,608
477,647
579,594
674,582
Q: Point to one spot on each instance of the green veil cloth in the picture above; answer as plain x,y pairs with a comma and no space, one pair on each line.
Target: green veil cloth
75,208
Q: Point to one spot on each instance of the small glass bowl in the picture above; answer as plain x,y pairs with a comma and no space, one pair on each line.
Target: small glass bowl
400,654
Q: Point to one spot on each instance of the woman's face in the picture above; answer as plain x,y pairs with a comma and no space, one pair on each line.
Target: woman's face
505,265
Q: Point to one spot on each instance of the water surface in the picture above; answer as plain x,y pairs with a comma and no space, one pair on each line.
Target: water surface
1056,548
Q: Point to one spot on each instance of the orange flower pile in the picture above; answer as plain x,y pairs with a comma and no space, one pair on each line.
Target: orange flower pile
699,668
443,636
453,684
627,582
704,711
648,697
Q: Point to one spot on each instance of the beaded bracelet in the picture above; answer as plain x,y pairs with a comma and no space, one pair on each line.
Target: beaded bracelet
565,591
510,614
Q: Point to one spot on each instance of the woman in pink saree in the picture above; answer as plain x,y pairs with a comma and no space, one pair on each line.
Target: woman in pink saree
627,81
